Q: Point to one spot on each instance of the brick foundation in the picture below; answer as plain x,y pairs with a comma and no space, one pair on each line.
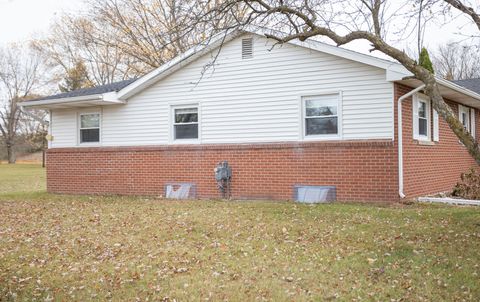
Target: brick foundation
362,171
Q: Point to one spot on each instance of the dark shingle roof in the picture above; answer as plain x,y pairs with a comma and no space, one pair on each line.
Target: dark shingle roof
90,91
471,84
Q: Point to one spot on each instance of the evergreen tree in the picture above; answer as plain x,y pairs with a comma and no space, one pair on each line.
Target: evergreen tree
425,61
76,78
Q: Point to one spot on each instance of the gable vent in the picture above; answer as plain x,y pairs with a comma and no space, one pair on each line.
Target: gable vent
247,48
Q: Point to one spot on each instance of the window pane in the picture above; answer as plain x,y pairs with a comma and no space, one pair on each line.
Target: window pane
90,121
422,109
187,115
89,135
321,108
186,131
422,126
324,125
464,120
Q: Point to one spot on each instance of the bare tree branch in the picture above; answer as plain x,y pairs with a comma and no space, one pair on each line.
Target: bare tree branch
466,10
19,77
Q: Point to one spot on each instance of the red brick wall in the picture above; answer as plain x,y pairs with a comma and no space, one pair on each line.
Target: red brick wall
431,168
361,170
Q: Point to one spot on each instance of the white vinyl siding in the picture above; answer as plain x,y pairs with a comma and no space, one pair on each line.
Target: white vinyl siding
63,128
254,100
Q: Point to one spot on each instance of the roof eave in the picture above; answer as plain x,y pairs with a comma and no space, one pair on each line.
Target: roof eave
71,101
329,49
458,88
448,90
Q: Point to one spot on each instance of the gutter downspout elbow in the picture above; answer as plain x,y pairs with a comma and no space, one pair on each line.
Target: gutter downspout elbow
400,137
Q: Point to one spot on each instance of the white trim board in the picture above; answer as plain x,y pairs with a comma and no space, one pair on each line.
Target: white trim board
452,201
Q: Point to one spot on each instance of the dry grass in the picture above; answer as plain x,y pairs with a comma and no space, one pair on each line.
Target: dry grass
82,248
21,178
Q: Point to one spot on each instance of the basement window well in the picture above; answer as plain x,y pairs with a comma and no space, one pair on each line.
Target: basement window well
180,190
315,194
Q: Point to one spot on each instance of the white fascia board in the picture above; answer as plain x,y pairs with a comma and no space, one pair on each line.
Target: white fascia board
61,100
72,100
458,88
397,74
112,97
326,48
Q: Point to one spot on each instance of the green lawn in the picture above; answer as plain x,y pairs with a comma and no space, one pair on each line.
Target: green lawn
21,178
120,248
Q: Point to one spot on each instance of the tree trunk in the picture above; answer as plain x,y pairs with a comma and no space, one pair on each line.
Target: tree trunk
449,116
10,154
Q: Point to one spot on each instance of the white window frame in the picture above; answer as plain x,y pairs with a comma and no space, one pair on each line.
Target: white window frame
172,124
303,124
79,128
464,109
436,126
416,129
473,124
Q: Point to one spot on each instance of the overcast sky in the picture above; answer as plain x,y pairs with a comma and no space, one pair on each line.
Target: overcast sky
22,19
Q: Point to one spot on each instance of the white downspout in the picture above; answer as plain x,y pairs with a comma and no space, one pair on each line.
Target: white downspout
400,138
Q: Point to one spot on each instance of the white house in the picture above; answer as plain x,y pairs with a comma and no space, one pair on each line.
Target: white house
283,116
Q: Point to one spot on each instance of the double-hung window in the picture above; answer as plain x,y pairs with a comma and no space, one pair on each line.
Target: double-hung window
322,115
421,118
185,123
89,128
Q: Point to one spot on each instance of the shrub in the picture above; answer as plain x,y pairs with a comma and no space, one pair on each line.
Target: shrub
469,185
424,60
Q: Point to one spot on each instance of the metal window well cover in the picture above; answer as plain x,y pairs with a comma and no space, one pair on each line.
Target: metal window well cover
180,190
315,194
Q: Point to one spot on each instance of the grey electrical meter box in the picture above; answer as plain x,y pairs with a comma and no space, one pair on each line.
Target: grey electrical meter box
223,177
223,171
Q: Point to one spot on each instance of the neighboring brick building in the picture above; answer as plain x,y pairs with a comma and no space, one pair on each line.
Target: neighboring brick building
304,114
